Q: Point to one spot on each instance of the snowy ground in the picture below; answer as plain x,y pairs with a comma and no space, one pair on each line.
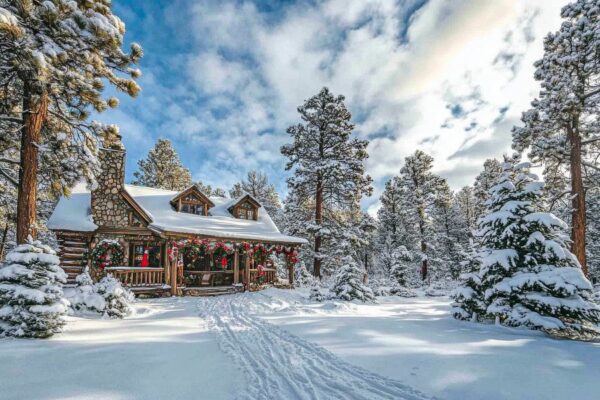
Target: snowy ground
272,344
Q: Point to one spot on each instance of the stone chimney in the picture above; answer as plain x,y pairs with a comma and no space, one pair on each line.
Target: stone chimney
108,207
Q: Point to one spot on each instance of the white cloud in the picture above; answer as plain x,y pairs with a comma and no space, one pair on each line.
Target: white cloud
453,88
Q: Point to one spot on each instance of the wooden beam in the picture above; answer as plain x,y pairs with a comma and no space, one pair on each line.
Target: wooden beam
247,271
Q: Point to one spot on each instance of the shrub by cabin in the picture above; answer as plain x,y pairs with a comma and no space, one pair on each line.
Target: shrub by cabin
156,240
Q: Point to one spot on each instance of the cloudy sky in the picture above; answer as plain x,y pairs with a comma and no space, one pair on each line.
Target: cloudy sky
223,79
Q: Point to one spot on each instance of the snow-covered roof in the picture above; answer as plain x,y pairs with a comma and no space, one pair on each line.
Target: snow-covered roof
74,214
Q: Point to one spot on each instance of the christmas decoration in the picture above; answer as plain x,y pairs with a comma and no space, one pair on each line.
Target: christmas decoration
107,253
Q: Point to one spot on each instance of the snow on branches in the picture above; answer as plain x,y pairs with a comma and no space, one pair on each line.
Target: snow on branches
31,295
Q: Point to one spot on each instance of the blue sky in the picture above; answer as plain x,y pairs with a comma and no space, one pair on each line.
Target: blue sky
222,79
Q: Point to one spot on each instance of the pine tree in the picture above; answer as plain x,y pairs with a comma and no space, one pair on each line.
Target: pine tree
492,169
451,233
400,264
56,57
163,169
258,186
348,283
464,203
31,296
561,125
421,188
329,172
528,276
468,296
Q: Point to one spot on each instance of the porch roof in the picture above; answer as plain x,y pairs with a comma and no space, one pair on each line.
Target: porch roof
74,214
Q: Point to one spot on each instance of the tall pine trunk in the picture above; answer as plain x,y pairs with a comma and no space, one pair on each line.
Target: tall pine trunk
319,222
578,198
35,113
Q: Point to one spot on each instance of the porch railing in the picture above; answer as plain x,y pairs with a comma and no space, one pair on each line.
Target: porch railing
269,275
138,276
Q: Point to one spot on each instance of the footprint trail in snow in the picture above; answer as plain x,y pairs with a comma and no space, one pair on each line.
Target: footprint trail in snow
279,365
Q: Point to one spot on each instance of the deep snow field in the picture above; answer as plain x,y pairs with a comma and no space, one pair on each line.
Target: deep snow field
276,345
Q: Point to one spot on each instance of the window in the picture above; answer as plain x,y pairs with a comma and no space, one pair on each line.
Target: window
192,208
137,250
246,211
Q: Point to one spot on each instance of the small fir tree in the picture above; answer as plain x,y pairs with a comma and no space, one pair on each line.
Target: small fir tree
31,295
528,276
348,283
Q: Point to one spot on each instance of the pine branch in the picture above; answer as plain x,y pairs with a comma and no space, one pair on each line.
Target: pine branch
9,178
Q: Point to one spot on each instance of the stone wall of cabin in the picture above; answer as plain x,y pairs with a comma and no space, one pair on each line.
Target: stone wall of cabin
108,207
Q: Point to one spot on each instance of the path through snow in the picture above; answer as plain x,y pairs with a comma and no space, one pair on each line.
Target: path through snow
279,365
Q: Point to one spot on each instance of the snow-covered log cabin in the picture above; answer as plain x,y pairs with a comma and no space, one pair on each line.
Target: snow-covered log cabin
157,241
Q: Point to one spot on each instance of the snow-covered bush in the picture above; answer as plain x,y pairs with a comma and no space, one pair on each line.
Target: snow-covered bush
348,283
305,278
85,296
31,295
528,276
397,290
316,294
118,299
107,297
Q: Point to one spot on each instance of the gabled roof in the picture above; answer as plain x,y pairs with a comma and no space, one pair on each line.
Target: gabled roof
74,214
133,204
245,197
194,190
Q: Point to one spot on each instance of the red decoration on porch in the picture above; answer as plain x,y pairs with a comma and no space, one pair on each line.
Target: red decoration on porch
224,262
145,259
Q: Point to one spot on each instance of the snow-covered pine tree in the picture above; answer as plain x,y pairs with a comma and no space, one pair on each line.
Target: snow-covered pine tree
468,296
528,275
163,169
329,172
304,278
258,186
348,283
561,125
56,58
421,188
401,261
464,204
492,169
31,295
451,234
593,234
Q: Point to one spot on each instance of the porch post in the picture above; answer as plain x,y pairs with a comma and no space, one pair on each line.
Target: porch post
247,271
236,267
174,277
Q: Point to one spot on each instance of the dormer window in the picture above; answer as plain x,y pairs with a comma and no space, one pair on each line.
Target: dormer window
245,208
246,211
192,201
